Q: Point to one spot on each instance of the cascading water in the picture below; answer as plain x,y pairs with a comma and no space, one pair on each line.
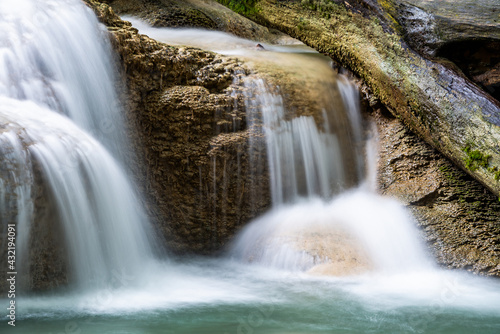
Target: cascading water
313,159
56,54
397,291
303,161
345,235
59,113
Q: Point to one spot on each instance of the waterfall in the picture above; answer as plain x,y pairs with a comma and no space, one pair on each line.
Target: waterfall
304,160
62,174
317,224
59,115
55,53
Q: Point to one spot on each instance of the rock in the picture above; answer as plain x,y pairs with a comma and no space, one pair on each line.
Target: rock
196,14
46,261
430,24
458,217
189,127
465,32
337,251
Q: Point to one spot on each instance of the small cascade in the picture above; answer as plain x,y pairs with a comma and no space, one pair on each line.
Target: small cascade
316,226
350,98
61,129
305,160
325,216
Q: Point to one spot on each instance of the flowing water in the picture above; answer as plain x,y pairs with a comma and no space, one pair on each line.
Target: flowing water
276,276
60,120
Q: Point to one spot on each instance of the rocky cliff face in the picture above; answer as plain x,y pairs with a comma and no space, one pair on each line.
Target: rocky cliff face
458,217
191,130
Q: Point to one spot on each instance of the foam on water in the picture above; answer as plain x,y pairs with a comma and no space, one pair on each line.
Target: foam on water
389,240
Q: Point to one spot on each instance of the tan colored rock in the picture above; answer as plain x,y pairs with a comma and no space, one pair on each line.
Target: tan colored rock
197,14
189,132
339,253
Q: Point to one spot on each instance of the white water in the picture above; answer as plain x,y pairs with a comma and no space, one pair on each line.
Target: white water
303,161
270,240
58,108
56,54
320,226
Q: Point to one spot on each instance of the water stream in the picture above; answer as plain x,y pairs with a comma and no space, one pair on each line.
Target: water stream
61,123
328,258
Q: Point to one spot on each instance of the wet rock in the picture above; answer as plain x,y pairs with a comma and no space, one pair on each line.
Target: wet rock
459,219
337,251
196,14
45,265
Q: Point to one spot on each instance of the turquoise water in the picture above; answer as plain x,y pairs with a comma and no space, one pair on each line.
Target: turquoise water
219,296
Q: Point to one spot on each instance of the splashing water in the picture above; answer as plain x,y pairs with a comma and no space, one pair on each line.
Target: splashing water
347,234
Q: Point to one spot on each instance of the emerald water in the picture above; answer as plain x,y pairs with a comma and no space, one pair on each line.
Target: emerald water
327,258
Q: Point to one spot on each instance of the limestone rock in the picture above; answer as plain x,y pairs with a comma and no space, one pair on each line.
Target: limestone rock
189,128
458,217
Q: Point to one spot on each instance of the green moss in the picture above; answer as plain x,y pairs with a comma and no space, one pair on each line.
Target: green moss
475,159
325,7
243,7
390,13
495,172
448,173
